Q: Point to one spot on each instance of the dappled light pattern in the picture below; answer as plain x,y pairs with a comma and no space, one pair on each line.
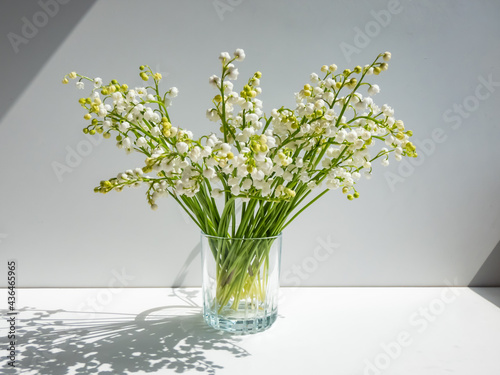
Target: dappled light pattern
174,337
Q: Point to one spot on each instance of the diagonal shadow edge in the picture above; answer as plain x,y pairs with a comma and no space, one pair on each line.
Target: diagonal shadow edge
486,281
489,273
491,294
19,69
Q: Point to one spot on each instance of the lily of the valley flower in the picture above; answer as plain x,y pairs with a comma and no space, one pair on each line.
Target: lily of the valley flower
281,161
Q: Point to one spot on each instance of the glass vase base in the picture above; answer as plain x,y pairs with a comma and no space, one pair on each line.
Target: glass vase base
240,325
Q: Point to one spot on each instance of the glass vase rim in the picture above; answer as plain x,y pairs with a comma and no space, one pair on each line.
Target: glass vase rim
279,235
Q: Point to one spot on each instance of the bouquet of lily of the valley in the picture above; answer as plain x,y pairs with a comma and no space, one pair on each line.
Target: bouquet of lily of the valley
274,166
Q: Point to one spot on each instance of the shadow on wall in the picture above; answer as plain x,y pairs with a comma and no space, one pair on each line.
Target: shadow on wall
489,272
31,32
181,275
488,276
173,337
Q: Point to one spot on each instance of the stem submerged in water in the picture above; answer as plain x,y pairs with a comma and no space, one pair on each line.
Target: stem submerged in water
242,270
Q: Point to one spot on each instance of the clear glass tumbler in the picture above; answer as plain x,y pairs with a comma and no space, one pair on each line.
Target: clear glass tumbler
240,282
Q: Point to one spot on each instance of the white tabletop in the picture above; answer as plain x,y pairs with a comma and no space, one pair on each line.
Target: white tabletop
341,331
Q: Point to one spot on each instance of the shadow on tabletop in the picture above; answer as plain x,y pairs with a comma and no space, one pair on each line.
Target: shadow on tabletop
170,337
491,294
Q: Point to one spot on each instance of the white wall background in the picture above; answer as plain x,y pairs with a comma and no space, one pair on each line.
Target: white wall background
437,222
